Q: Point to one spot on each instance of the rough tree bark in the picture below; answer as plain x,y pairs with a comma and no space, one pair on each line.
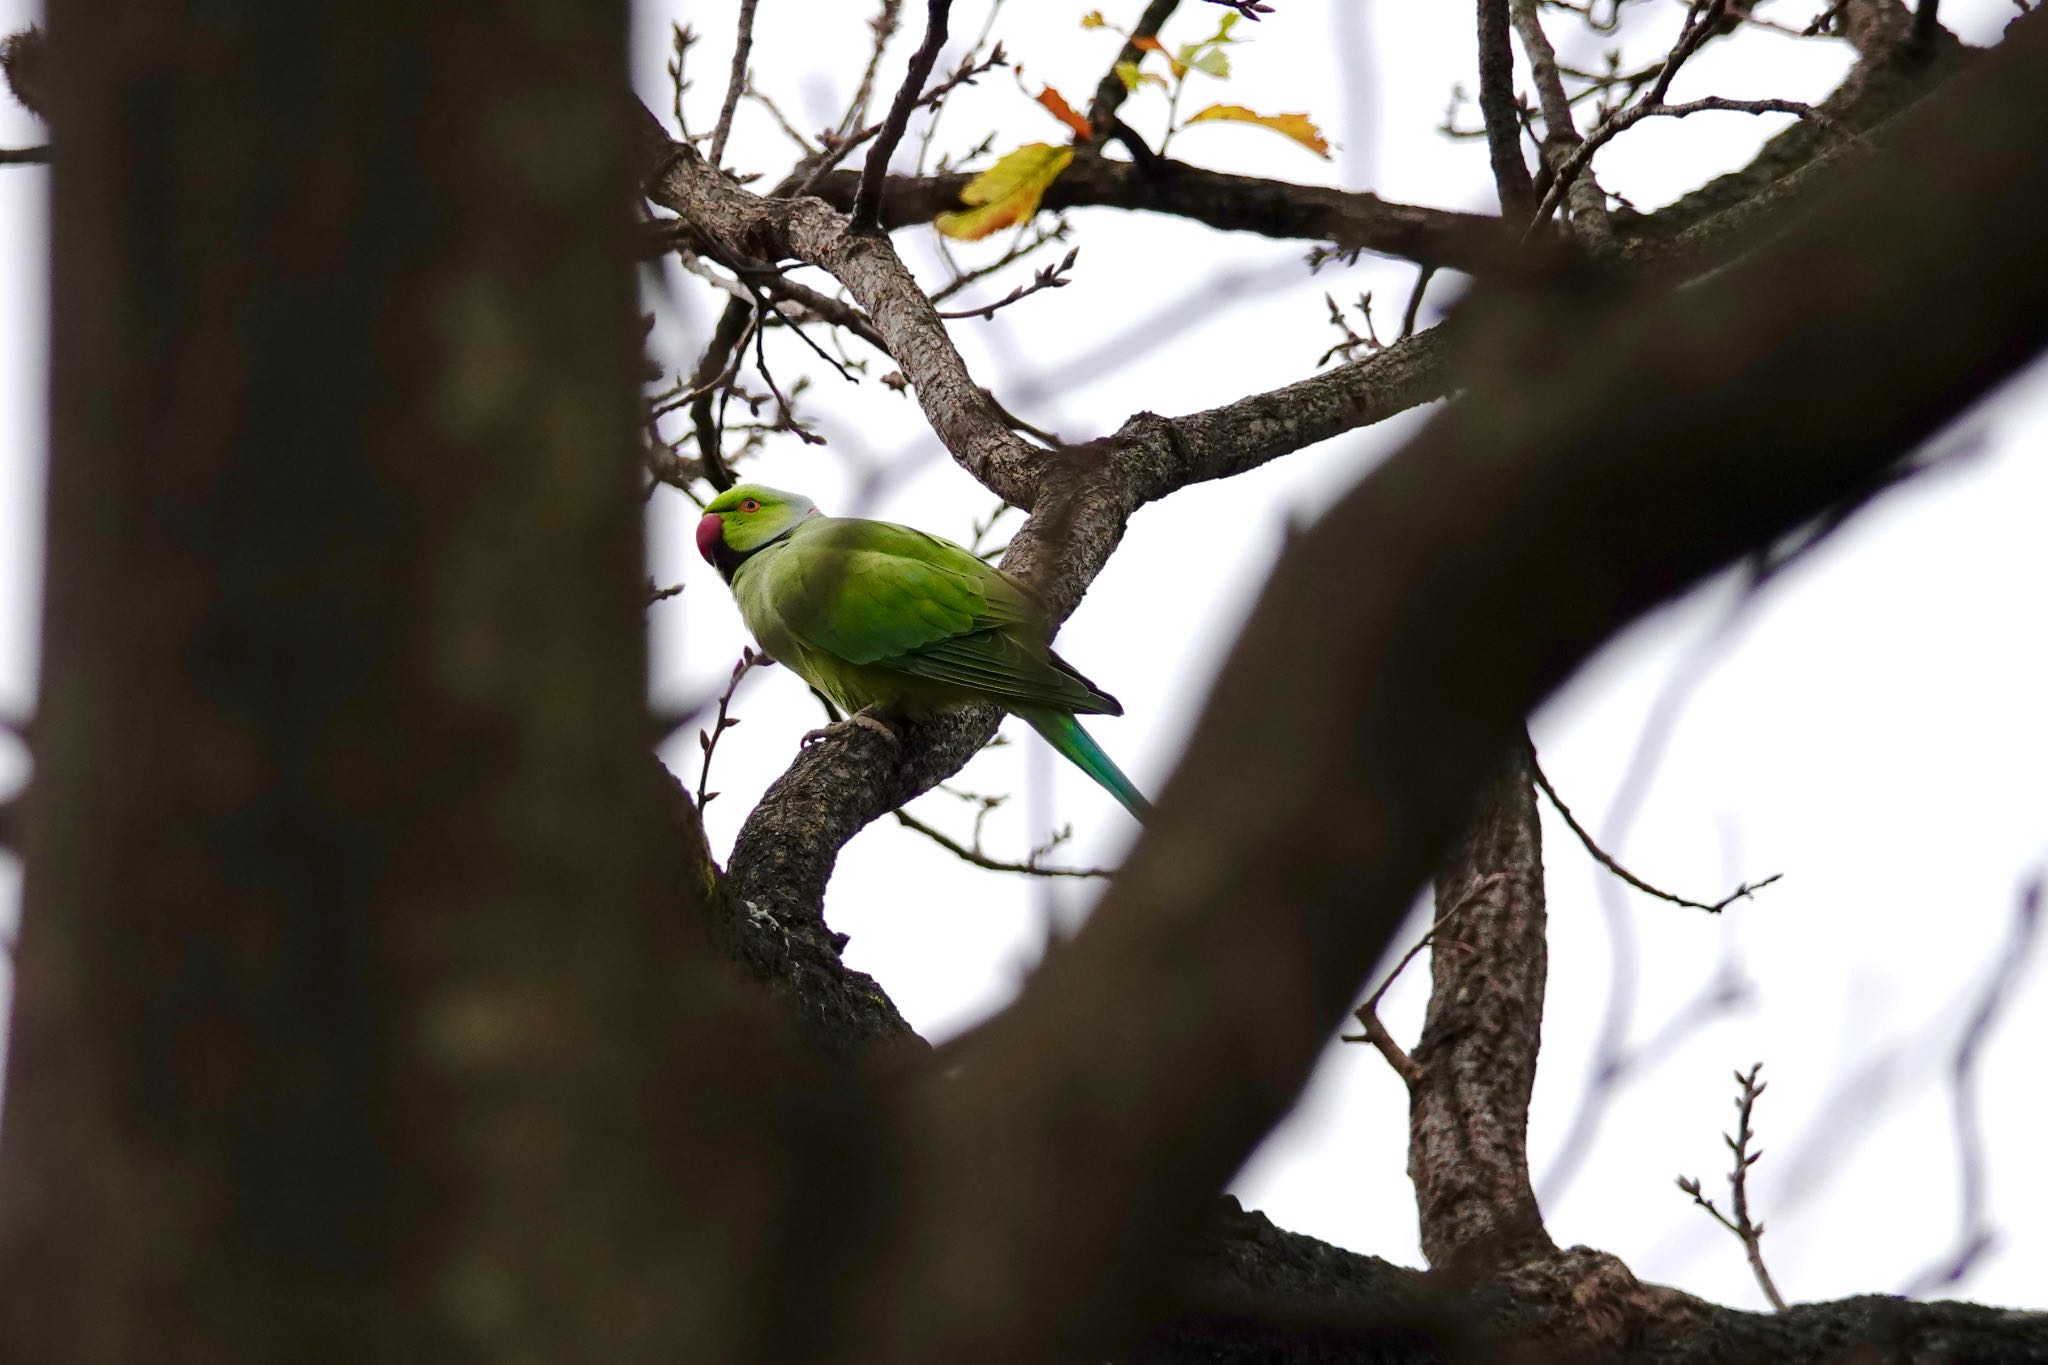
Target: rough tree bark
349,1024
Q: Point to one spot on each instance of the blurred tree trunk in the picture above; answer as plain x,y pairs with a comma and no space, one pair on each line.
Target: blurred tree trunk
349,1017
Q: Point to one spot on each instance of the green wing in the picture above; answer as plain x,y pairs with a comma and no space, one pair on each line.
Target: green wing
875,593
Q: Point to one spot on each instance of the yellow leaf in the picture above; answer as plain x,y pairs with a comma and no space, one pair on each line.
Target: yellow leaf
1056,105
1006,193
1128,73
1296,126
1093,19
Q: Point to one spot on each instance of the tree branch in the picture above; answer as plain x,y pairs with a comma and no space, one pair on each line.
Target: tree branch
1468,1118
1249,948
1352,219
1503,118
876,169
736,81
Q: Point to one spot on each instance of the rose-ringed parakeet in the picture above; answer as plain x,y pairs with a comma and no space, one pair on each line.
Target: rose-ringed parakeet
876,615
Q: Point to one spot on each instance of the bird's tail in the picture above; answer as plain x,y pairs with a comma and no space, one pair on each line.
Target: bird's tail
1078,747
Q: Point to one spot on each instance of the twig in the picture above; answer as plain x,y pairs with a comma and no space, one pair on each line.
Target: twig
1607,860
1352,340
681,38
867,204
655,594
1018,251
1029,867
707,740
1110,91
782,401
1368,1015
735,82
24,156
1975,1235
789,130
1560,134
1048,277
1414,308
883,26
1750,1233
1690,37
966,73
1652,105
1405,1066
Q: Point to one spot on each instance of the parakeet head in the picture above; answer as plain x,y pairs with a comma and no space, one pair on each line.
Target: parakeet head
744,518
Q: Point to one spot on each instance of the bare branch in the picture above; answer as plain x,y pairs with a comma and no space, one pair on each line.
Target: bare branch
24,156
1746,1231
736,82
1469,1117
1582,155
876,171
1030,867
883,26
1353,219
1607,860
1560,132
1049,277
1503,120
707,740
1974,1235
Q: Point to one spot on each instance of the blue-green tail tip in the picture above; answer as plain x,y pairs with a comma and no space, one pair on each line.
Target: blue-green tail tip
1078,747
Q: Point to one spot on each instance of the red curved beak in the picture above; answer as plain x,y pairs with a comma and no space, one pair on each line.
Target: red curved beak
710,535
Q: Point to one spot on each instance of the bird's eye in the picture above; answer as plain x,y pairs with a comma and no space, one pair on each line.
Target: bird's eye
751,505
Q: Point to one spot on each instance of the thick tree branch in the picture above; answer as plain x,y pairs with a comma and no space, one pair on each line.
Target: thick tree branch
1586,509
1352,219
1468,1118
1560,134
1503,118
1878,87
791,841
744,227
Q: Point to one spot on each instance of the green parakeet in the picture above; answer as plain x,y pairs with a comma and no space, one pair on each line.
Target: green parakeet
878,615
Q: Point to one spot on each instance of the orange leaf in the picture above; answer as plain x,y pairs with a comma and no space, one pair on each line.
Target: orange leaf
1296,126
1151,44
1006,193
1056,105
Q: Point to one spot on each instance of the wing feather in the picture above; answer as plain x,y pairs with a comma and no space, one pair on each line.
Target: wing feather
874,593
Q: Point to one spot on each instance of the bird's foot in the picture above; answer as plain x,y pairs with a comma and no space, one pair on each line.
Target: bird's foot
860,719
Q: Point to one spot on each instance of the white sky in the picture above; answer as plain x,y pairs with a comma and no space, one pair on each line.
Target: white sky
1872,728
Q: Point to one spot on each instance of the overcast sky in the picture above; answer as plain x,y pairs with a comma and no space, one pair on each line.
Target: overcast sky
1872,727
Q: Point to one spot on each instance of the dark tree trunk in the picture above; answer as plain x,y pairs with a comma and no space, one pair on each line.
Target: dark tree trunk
349,1025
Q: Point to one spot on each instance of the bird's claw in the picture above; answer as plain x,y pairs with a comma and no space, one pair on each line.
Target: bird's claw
859,718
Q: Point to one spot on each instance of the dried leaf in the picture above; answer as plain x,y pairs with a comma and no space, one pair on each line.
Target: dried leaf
1056,105
1006,193
1093,19
1297,126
